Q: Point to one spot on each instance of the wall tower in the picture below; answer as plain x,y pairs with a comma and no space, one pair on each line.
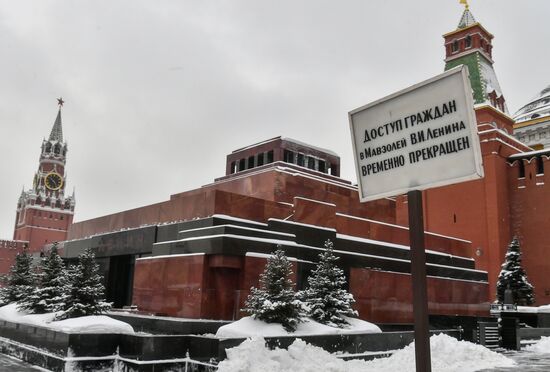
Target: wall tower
44,212
471,44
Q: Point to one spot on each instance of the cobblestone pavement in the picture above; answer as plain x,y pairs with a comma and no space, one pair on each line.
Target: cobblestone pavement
10,364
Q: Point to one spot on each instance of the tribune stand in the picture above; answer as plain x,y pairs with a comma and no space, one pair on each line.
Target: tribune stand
421,137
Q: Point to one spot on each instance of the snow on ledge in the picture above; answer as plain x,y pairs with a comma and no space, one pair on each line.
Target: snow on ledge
237,227
266,255
231,218
84,324
303,224
170,256
250,327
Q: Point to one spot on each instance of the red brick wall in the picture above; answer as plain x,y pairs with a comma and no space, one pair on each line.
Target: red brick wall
530,220
195,287
8,251
385,297
173,286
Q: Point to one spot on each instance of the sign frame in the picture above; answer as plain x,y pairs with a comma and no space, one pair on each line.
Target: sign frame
473,133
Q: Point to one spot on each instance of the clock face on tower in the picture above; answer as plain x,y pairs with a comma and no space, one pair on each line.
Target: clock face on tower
53,181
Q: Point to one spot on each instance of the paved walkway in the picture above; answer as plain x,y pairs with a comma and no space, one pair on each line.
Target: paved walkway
527,362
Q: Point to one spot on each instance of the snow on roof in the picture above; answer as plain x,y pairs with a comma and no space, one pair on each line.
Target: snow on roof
530,154
490,79
287,139
539,106
320,149
256,144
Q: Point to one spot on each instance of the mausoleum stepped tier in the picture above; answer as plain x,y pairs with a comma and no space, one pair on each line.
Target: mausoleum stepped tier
199,268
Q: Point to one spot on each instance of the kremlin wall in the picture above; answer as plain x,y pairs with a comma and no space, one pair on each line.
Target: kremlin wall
197,254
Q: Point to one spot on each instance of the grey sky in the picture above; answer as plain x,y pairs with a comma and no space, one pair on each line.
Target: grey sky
158,92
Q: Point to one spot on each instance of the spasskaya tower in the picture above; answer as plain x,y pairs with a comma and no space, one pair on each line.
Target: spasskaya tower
44,212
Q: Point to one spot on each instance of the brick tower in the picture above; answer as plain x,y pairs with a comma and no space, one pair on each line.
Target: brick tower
44,213
471,45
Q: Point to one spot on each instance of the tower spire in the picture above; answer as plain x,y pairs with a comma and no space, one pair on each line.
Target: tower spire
467,18
57,130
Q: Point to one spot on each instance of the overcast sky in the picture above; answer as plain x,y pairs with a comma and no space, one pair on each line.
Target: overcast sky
159,92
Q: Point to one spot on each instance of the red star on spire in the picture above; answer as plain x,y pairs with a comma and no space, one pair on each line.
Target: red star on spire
60,101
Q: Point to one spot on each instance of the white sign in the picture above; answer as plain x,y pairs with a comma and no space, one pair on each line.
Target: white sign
421,137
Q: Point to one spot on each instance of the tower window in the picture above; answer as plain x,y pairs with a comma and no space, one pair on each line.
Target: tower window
540,165
250,162
270,156
455,46
468,41
322,166
233,167
300,159
521,169
241,164
260,159
310,162
288,156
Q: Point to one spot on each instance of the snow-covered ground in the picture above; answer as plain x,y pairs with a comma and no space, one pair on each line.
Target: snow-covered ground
448,355
250,327
541,346
84,324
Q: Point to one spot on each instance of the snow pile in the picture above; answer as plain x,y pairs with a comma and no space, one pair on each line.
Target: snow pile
448,355
541,346
84,324
250,327
91,324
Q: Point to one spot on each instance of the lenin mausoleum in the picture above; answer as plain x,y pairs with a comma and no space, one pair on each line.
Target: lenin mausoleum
197,254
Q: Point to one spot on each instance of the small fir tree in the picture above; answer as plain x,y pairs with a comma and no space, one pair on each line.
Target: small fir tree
326,299
86,293
52,287
275,301
4,290
21,281
513,277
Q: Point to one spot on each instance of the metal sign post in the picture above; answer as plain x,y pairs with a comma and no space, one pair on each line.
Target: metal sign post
419,282
421,137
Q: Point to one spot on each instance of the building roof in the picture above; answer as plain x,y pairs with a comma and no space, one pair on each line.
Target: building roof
467,19
537,107
57,130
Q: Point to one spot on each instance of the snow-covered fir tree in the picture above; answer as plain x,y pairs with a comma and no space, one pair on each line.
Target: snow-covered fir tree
326,299
86,293
52,288
513,277
275,301
21,280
